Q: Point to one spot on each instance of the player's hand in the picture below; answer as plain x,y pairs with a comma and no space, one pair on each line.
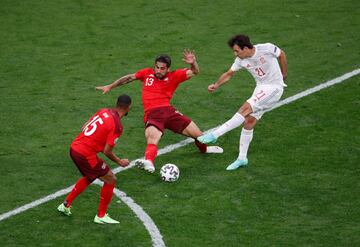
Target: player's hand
124,162
189,56
212,87
105,89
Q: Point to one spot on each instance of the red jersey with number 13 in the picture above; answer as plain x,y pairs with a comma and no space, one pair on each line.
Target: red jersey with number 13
158,92
103,128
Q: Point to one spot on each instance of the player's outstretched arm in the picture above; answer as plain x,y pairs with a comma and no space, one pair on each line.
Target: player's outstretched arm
109,153
190,58
283,64
222,79
121,81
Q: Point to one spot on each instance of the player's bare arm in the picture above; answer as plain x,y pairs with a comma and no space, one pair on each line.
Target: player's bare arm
222,79
283,64
190,58
121,81
109,153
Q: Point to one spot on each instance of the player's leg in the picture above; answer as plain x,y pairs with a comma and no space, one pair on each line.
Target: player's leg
79,187
153,136
106,194
263,98
192,130
229,125
82,163
245,140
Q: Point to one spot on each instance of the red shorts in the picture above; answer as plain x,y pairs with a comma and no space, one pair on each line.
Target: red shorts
90,167
166,117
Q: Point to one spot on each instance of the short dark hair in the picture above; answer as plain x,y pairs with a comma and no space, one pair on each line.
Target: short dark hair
164,59
123,101
241,40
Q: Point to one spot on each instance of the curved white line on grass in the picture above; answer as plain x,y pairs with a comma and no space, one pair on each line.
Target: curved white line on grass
185,142
149,224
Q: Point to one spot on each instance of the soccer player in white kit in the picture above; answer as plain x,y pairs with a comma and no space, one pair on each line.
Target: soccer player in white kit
267,64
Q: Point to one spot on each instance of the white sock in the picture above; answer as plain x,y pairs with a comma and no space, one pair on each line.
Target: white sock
233,123
245,139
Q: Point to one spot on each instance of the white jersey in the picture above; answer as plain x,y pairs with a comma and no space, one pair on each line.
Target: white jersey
263,65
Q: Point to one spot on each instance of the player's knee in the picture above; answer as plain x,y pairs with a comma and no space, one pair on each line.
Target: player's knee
111,180
249,123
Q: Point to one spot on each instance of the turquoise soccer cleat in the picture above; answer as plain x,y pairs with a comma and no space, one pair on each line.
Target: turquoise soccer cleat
105,220
61,208
207,138
236,164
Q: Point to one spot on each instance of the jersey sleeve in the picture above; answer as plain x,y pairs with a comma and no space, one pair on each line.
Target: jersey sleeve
139,75
236,65
112,139
180,75
272,49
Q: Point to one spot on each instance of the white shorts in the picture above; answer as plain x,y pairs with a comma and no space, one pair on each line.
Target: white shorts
263,98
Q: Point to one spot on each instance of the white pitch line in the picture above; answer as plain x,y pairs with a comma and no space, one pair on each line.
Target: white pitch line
149,224
185,142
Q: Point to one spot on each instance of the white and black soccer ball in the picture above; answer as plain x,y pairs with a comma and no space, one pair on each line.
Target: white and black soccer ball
169,173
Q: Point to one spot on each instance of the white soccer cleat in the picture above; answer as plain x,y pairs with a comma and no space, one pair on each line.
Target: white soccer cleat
147,165
214,150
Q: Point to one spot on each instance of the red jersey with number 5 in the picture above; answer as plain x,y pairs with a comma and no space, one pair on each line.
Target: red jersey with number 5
103,128
156,92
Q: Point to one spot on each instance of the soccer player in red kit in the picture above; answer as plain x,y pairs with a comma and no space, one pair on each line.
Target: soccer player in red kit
158,87
99,134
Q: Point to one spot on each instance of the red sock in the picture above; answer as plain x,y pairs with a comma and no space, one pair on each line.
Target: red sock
151,152
201,146
79,187
105,198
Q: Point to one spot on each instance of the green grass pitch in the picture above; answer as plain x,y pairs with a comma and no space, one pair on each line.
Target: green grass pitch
301,187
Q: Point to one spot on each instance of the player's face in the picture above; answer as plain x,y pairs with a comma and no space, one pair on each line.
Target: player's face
241,53
160,70
127,111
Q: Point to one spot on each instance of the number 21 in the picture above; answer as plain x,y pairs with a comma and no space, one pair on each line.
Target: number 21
260,72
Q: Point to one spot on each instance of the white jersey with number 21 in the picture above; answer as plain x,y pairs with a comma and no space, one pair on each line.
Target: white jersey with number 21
263,65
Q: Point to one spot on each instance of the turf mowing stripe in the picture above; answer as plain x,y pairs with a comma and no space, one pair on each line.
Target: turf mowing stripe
172,147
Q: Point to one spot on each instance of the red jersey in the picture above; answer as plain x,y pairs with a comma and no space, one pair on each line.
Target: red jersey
103,128
156,92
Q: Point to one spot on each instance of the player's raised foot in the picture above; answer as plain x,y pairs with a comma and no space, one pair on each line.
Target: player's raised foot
214,150
207,138
147,165
61,208
236,164
105,220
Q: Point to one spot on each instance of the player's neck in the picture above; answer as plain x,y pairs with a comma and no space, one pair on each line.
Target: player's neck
121,112
252,52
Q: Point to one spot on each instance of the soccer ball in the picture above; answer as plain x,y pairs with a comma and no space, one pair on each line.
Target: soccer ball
169,173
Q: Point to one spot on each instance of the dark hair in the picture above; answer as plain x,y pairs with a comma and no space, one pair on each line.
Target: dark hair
123,101
164,59
240,40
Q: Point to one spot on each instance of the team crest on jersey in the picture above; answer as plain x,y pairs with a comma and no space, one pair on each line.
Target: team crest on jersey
262,60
